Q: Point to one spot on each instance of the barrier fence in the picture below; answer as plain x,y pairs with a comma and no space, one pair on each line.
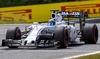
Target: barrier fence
41,13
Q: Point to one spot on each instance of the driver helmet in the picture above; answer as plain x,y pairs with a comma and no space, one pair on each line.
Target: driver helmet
51,22
57,17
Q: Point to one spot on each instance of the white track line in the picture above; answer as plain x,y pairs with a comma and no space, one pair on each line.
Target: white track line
82,55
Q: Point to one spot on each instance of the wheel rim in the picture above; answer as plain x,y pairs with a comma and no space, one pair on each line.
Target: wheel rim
18,33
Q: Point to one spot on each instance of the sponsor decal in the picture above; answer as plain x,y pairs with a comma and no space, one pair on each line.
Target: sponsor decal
70,14
20,14
18,11
89,8
8,19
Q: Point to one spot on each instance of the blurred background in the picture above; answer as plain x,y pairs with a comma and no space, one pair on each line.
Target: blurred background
28,11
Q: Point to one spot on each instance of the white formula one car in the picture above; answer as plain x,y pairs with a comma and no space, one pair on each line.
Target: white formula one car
59,34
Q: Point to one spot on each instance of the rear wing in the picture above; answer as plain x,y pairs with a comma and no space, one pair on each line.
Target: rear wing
67,14
70,14
82,15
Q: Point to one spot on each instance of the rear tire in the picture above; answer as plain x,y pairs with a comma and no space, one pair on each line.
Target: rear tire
61,35
90,34
14,34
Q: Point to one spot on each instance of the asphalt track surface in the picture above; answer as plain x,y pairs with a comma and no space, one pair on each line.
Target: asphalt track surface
44,52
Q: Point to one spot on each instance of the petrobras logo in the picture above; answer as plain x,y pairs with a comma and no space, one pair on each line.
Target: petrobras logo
70,14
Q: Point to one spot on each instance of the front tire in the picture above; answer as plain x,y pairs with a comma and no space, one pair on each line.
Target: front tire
13,34
61,35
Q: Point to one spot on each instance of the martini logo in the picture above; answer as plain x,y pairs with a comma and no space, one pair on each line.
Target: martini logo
89,8
70,14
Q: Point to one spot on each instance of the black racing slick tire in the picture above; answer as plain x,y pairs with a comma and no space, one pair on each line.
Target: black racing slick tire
90,34
13,33
61,35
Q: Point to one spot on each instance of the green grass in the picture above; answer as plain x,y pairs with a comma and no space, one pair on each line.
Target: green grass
95,56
